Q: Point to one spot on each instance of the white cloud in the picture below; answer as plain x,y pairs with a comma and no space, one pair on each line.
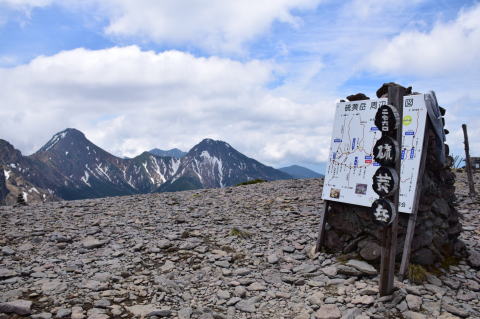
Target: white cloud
450,47
219,25
365,9
26,3
445,59
214,25
128,101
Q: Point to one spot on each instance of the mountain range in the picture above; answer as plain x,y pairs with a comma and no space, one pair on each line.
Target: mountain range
69,166
174,152
297,171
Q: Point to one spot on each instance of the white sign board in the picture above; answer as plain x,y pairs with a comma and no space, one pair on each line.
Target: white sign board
351,166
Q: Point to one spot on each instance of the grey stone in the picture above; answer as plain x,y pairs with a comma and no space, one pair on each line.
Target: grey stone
474,259
316,298
164,243
272,259
434,280
63,313
242,271
455,310
222,263
51,287
352,313
288,249
7,273
370,251
19,307
161,313
402,307
141,310
414,302
349,271
42,315
364,300
256,286
423,256
330,271
413,315
7,251
247,305
233,301
185,313
92,242
102,303
240,291
223,294
362,266
328,312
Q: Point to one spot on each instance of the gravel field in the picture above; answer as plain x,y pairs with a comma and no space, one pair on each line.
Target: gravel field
237,252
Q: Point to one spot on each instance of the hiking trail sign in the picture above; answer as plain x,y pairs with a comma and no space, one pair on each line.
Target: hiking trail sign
351,164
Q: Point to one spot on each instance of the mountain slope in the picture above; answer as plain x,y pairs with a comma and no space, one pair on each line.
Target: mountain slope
90,171
174,152
147,172
212,164
297,171
30,169
20,174
69,166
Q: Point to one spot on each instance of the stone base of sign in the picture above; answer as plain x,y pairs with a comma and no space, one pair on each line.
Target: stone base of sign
351,229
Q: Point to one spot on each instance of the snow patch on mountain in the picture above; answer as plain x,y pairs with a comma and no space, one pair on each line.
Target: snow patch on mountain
54,140
85,178
214,163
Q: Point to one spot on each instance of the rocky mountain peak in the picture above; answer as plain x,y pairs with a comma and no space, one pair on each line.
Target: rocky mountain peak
8,153
212,148
63,139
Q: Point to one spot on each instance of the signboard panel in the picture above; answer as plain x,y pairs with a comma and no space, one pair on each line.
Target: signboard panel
351,164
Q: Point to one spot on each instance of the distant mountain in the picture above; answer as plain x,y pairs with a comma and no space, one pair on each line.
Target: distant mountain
89,171
69,166
297,171
174,152
20,174
212,163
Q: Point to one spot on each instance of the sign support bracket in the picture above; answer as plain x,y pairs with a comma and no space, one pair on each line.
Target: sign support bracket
407,248
321,229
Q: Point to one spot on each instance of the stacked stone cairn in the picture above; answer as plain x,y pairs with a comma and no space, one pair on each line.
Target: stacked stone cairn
351,230
21,200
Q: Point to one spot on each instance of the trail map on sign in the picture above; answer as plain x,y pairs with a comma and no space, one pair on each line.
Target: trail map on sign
351,164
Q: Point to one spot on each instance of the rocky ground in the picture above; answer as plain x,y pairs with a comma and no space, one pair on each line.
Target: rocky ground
238,252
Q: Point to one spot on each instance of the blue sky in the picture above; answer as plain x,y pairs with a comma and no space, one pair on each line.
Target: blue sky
263,76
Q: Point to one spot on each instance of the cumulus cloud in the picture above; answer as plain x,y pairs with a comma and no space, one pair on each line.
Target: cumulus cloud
215,25
127,101
25,3
220,25
449,47
365,9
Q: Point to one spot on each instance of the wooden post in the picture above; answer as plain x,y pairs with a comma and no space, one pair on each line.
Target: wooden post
468,163
407,247
389,234
321,230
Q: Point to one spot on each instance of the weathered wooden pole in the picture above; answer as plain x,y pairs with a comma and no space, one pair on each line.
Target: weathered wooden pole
468,163
321,230
389,233
407,247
